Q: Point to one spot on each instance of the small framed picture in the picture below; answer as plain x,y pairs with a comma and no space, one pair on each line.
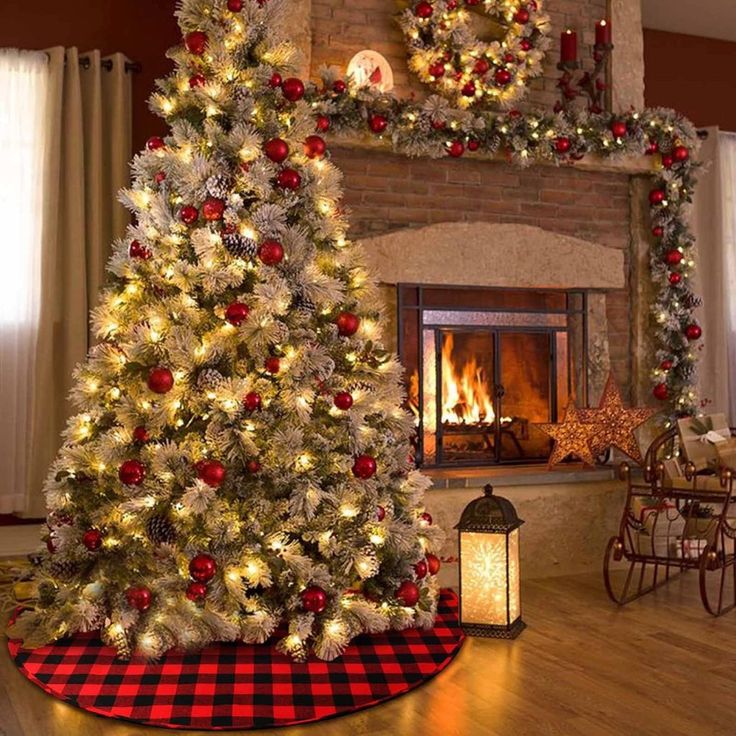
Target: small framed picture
370,69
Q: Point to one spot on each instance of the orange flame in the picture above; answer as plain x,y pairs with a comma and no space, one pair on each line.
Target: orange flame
465,396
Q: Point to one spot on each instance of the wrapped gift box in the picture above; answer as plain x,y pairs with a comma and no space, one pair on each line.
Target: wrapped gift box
701,437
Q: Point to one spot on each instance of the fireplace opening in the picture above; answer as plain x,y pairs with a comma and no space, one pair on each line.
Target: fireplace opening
485,365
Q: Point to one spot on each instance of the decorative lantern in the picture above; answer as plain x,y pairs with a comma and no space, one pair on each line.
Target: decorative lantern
490,602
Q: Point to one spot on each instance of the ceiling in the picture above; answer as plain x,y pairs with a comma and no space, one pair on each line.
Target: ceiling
709,18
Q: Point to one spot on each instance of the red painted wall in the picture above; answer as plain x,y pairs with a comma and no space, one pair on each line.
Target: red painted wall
691,74
141,29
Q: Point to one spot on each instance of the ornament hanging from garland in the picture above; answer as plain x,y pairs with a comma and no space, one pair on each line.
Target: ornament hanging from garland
446,53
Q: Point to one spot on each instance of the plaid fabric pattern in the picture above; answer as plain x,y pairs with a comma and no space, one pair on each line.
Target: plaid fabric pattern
241,686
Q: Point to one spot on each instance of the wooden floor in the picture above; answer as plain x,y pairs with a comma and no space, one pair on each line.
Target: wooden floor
659,667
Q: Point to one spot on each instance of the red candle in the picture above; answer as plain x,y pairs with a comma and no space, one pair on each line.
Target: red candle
568,46
603,33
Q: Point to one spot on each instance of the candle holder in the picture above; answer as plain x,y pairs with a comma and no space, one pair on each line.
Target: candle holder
566,84
594,84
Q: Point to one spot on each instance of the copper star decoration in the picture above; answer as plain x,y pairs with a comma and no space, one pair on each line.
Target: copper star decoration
572,436
614,424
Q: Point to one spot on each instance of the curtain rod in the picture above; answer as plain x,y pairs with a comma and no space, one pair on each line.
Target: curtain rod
131,67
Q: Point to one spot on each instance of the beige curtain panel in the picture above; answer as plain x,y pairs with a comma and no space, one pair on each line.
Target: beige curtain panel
89,133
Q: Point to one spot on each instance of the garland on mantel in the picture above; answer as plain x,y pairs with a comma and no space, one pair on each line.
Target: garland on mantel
434,128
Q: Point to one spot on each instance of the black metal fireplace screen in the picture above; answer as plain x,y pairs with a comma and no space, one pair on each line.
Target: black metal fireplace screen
485,365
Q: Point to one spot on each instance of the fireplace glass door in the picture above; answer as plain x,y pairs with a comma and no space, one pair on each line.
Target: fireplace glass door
485,367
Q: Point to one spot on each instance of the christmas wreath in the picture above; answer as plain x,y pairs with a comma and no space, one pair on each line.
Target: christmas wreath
446,53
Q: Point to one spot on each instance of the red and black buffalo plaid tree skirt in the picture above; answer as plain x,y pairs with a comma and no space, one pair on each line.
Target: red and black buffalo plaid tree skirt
241,686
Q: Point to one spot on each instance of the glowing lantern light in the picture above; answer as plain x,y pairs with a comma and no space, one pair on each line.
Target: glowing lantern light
490,601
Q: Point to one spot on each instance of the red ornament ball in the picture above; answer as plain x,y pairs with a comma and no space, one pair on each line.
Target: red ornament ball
198,80
212,472
140,434
377,123
196,42
667,161
525,44
347,324
661,392
433,564
408,593
473,145
423,9
675,278
92,539
277,150
253,467
271,252
314,147
139,598
673,257
322,123
693,332
138,250
202,568
380,513
213,209
343,400
666,365
293,89
521,16
234,6
437,69
481,66
160,380
272,365
456,149
657,196
680,153
426,517
502,77
275,81
289,179
132,473
196,591
314,599
658,231
339,87
364,467
468,89
562,144
252,401
619,128
420,569
237,313
438,124
189,214
155,143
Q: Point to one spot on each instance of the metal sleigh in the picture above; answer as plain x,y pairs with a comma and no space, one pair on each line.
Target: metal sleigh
670,526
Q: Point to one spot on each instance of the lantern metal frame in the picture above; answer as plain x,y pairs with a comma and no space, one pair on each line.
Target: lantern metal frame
490,514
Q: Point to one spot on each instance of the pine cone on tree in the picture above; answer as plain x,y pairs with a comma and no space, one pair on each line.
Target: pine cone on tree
209,379
240,246
303,305
219,186
63,568
116,637
160,530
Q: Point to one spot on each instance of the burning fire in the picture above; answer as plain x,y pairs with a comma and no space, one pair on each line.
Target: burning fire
465,396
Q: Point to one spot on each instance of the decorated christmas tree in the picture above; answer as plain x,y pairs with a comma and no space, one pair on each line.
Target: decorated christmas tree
241,461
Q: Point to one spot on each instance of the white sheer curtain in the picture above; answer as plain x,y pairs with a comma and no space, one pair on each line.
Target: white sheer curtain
24,79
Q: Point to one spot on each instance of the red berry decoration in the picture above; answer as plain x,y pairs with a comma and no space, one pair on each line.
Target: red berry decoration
198,80
132,473
423,9
666,365
293,89
680,154
473,145
562,144
377,123
347,324
140,434
420,569
456,149
661,392
364,467
92,539
673,257
234,6
675,278
253,467
658,231
202,568
196,42
437,69
237,313
289,179
213,209
314,599
160,380
160,177
502,77
521,16
339,87
189,214
619,128
252,401
272,365
155,143
271,252
693,332
314,147
212,472
275,81
139,598
656,196
343,400
323,124
277,150
433,564
138,250
426,517
380,513
196,591
408,593
525,44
